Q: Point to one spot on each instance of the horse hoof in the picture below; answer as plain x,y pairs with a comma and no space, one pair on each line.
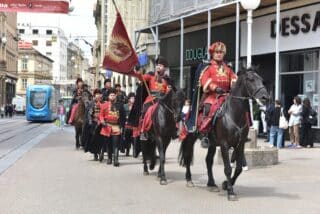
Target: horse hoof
190,184
225,185
163,182
214,188
232,197
145,173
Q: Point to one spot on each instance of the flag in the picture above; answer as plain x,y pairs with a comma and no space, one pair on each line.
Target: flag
37,6
120,56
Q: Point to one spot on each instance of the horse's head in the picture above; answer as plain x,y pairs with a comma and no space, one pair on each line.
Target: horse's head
86,98
178,100
251,85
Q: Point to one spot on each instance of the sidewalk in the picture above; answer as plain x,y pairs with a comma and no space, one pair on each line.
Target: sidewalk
55,178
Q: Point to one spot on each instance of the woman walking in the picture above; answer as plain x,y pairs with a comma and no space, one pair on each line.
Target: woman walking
306,131
294,122
275,131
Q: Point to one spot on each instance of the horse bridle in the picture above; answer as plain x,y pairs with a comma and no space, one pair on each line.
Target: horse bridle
251,96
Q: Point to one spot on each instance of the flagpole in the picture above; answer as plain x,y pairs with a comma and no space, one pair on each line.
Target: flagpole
114,3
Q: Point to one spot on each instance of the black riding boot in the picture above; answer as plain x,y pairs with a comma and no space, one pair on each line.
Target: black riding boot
95,158
110,148
136,147
115,142
205,139
101,155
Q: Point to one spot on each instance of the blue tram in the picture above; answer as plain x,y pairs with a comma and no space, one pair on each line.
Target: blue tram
42,103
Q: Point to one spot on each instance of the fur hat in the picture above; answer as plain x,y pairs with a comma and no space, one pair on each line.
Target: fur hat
106,80
97,91
112,91
131,94
217,46
161,60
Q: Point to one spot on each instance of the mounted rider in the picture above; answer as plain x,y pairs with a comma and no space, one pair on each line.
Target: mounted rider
216,81
158,86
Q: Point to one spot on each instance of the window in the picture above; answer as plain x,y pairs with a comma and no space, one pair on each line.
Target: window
35,42
49,32
24,83
48,43
38,99
35,31
48,54
21,31
24,64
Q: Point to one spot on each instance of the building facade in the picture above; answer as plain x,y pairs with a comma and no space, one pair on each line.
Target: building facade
184,38
51,42
34,68
135,14
8,56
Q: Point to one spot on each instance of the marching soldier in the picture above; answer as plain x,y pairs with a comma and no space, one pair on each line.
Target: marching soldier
112,118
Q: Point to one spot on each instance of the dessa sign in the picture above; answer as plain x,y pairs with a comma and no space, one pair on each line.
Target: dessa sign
297,24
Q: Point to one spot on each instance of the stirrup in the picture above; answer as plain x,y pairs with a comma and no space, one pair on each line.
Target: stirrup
205,142
143,137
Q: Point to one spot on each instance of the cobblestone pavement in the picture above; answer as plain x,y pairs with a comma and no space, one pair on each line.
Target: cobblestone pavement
53,177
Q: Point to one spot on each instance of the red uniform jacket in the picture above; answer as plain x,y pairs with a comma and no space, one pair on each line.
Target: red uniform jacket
216,76
154,86
111,118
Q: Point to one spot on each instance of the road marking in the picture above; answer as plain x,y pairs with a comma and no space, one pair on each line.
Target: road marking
9,159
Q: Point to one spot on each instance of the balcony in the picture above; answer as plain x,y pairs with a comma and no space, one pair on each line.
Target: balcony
3,65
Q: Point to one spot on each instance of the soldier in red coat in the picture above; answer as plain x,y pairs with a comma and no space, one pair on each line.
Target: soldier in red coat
216,80
157,84
112,117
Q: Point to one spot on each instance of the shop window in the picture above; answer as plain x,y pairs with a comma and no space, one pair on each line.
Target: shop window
35,31
300,61
21,31
24,83
49,32
48,43
24,64
35,42
305,80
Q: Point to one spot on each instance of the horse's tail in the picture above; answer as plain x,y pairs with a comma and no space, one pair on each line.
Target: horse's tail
186,150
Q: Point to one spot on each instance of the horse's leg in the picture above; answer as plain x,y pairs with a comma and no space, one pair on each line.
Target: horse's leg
186,156
239,155
227,171
153,156
209,161
161,148
144,149
77,137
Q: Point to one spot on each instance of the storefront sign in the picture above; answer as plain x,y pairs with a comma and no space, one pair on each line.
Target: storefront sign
297,24
300,29
37,6
196,54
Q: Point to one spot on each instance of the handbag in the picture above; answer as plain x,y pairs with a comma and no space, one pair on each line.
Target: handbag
283,123
312,118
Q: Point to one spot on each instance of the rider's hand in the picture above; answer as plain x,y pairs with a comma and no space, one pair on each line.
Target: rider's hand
219,90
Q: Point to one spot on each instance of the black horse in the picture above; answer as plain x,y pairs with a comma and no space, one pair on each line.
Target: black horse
230,130
164,121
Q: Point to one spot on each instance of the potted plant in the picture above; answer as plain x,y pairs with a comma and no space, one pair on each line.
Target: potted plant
256,117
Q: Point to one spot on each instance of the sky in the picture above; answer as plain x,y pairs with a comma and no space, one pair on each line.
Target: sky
79,23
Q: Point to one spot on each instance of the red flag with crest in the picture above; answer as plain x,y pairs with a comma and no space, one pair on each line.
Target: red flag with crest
120,56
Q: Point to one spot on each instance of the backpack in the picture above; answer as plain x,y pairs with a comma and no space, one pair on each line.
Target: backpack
312,118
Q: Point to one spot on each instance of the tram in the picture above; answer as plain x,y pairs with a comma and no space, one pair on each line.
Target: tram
42,103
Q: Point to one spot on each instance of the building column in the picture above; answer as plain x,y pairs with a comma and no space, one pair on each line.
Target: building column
209,34
237,37
181,51
277,73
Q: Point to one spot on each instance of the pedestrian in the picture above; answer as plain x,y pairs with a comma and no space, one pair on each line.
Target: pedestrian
106,89
306,130
128,132
61,114
276,133
2,111
186,109
10,110
294,122
121,95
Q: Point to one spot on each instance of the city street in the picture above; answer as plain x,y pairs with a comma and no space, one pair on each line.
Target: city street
42,172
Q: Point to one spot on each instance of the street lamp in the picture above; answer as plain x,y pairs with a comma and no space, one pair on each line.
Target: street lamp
249,5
